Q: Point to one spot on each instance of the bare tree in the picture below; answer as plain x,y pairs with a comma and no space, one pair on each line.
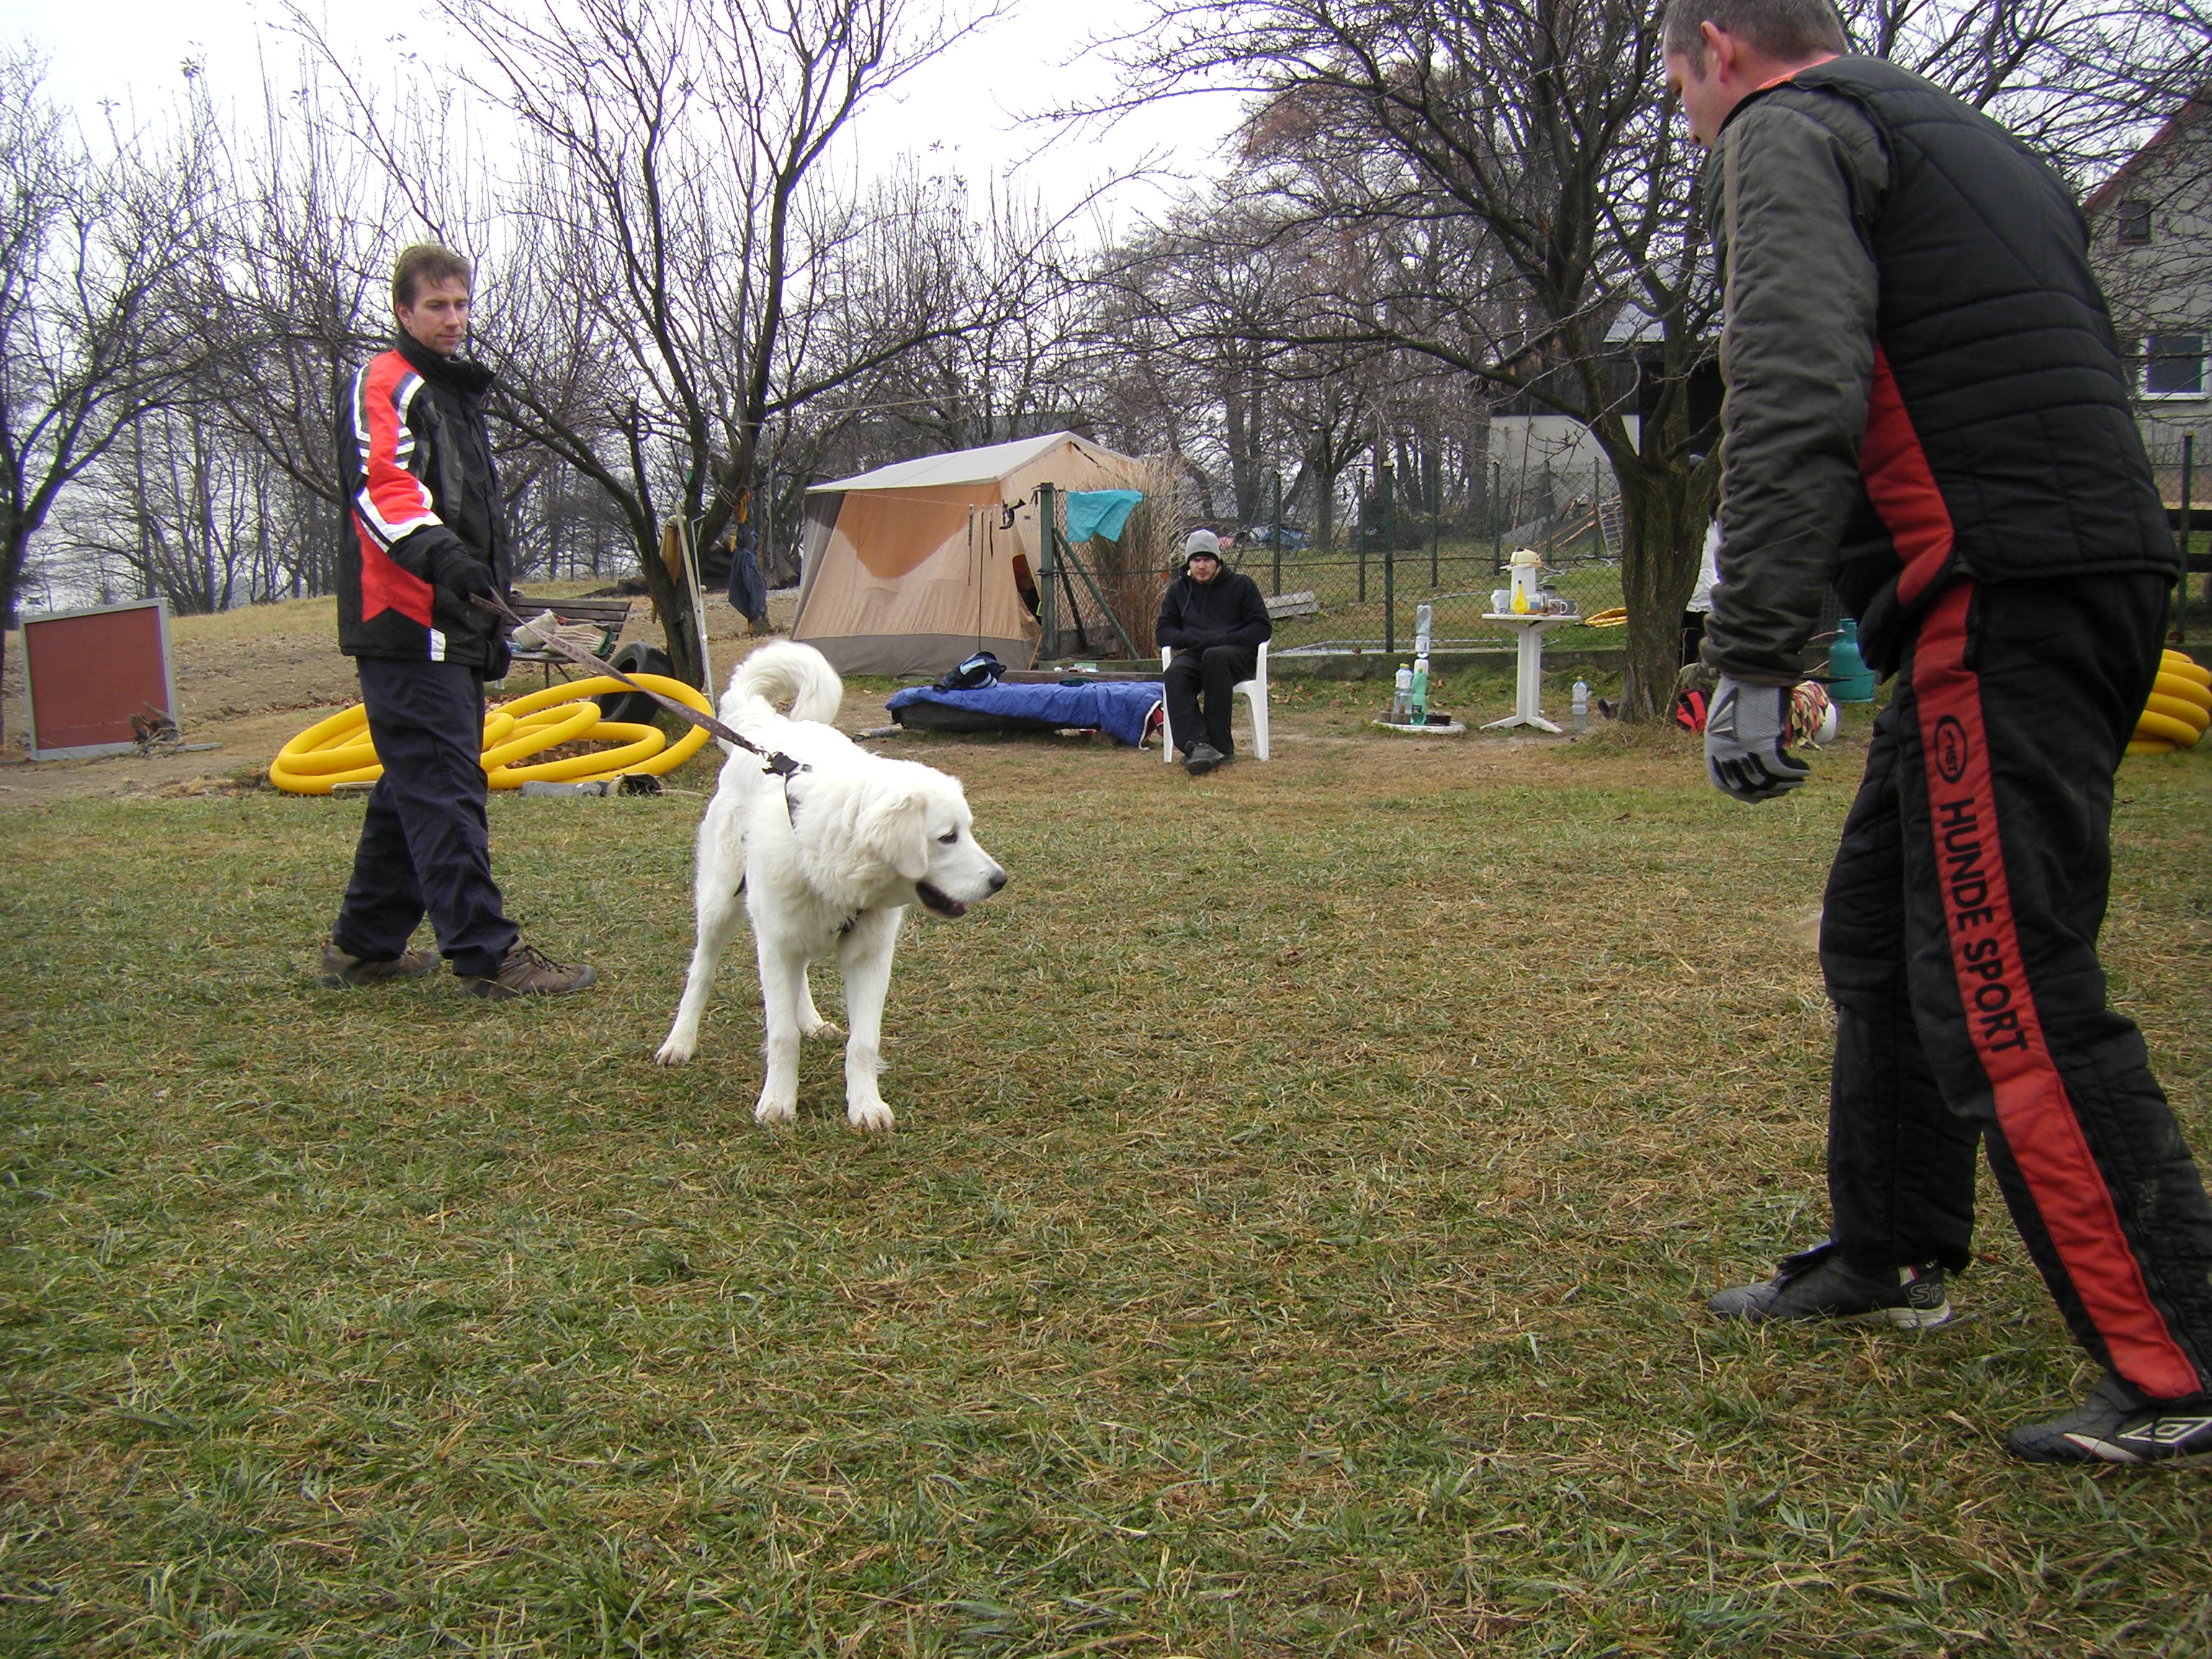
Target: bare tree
1010,357
687,271
1205,312
1522,210
1539,210
298,298
176,506
92,249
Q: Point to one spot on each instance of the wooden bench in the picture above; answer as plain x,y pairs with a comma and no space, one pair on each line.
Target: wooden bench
610,617
1293,605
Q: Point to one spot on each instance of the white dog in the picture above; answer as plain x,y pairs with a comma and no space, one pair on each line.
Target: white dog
827,859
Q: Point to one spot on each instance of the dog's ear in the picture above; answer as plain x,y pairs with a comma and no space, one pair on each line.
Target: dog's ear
894,827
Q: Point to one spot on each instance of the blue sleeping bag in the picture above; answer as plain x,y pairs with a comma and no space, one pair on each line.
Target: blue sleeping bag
1120,709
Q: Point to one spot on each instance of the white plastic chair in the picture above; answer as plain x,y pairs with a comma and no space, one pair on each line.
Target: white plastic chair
1254,691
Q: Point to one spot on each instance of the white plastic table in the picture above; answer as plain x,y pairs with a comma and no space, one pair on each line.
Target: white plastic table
1528,667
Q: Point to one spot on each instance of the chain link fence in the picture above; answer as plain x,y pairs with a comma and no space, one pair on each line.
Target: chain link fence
1361,596
1364,598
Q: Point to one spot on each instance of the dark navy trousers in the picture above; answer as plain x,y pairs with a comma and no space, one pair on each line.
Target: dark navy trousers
1215,671
425,850
1959,945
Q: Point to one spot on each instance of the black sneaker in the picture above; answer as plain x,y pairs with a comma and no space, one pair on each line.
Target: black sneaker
1818,1284
2115,1424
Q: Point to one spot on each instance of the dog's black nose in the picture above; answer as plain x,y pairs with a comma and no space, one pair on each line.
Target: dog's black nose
998,879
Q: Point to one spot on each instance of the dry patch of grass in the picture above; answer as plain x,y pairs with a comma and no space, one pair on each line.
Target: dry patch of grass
1307,1183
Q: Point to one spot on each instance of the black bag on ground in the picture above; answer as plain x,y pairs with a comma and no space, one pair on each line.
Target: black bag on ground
977,671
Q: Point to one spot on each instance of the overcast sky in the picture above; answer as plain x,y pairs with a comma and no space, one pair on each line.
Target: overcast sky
960,112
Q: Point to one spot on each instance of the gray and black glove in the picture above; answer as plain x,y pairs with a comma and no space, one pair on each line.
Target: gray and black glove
1746,726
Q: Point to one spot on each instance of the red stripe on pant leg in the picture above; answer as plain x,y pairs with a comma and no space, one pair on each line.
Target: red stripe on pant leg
2038,1120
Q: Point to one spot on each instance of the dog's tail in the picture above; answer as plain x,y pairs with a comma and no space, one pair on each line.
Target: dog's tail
796,679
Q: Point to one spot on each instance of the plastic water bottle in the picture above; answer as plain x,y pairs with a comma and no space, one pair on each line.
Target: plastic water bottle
1581,705
1402,698
1422,616
1417,707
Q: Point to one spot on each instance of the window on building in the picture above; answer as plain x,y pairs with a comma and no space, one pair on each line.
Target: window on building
2132,223
2173,365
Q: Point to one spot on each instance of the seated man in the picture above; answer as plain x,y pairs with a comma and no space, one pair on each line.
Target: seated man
1216,622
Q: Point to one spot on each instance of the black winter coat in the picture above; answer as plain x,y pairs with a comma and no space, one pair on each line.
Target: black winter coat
1227,611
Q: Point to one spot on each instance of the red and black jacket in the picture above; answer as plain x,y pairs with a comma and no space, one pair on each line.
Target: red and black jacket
423,493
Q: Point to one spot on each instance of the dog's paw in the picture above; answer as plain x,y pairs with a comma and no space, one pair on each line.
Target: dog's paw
822,1030
873,1118
675,1052
774,1111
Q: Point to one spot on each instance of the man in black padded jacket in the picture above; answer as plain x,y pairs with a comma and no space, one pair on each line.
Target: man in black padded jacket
1925,407
1216,621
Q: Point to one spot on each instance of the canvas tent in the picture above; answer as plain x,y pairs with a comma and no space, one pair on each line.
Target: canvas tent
913,566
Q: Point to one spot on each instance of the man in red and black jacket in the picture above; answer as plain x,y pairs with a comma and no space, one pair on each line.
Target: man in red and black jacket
1925,406
426,534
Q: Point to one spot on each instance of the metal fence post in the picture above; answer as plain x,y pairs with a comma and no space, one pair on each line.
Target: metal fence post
1435,520
1047,600
1496,518
1359,537
1278,587
2188,467
1383,475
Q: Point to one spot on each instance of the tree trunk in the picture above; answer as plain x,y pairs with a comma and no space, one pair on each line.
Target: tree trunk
1663,512
14,545
1324,532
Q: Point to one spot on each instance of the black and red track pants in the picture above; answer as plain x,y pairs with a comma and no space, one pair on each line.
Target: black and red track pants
1959,945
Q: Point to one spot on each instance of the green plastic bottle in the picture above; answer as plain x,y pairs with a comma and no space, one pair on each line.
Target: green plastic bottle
1850,680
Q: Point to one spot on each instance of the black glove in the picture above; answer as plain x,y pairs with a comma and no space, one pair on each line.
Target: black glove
499,657
1746,726
466,577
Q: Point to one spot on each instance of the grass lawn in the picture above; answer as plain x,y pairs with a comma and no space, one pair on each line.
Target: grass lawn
1307,1185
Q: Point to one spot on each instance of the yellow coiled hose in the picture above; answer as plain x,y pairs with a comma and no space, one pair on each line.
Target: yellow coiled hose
340,750
2179,708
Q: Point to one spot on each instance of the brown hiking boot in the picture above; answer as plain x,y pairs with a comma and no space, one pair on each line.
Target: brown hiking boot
522,972
338,969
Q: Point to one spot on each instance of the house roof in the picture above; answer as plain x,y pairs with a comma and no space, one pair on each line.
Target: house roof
960,467
2192,111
